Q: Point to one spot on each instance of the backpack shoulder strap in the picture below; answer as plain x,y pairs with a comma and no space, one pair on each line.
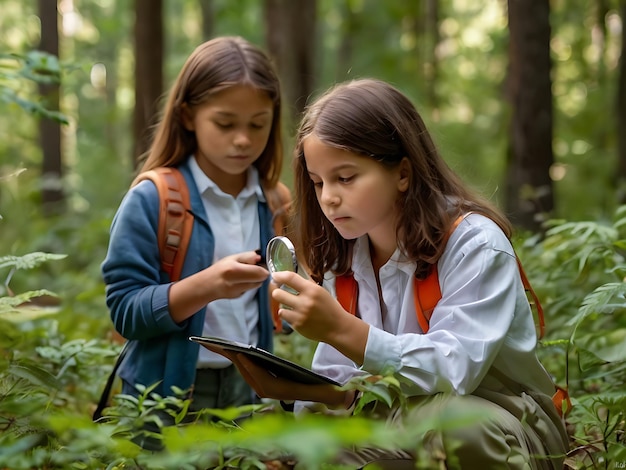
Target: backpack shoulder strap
535,299
175,220
426,292
347,291
426,295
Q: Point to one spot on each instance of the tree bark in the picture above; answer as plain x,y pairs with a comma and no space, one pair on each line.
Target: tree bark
52,195
207,8
148,71
529,188
431,61
621,113
290,37
350,25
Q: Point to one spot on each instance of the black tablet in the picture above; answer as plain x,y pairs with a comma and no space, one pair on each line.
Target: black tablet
277,366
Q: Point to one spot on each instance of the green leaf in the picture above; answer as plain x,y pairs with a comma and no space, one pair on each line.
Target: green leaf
35,374
30,260
607,299
607,346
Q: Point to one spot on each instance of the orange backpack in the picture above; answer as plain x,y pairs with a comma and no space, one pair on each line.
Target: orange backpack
426,295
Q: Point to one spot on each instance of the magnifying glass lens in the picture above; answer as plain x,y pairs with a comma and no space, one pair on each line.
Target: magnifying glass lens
281,255
282,258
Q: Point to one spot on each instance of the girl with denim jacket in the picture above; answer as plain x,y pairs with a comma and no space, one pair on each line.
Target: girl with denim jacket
221,127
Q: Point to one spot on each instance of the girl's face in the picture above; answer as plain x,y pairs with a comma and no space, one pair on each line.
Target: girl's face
357,194
232,129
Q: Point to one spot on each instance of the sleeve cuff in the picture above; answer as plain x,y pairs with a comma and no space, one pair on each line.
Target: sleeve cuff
382,352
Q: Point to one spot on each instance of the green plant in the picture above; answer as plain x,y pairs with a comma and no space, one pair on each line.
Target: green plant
581,270
20,71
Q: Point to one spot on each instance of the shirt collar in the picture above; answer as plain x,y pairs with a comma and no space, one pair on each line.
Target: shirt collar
204,183
362,264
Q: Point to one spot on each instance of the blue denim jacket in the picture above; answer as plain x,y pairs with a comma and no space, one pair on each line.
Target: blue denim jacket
137,290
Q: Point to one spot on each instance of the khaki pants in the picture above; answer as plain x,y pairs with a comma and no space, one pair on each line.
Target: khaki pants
516,431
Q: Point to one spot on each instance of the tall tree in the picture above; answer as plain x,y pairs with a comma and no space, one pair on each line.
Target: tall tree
621,111
290,36
431,39
52,194
148,70
350,25
207,8
529,188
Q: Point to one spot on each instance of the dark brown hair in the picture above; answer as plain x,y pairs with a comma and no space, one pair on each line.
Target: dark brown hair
374,119
213,66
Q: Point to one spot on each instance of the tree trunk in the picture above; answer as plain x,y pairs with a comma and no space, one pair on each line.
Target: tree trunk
349,30
207,8
290,36
431,62
529,188
602,9
52,196
621,113
148,71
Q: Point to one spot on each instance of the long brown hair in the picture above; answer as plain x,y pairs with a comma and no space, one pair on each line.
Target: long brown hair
213,66
374,119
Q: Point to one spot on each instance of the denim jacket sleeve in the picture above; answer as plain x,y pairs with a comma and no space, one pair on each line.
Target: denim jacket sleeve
136,294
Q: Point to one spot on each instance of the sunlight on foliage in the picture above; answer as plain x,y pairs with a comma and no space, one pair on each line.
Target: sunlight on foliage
54,356
35,67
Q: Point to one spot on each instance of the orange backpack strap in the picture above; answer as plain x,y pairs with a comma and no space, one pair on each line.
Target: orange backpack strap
562,401
426,292
347,291
175,220
561,398
535,300
426,295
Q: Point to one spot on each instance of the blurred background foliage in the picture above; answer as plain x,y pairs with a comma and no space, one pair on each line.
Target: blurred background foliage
55,333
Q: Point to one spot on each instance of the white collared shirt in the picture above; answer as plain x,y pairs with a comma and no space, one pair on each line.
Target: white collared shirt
234,222
482,319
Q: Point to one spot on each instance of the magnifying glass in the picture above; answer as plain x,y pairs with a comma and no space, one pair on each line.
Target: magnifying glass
281,255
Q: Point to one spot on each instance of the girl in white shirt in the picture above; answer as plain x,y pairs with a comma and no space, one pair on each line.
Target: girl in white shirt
375,199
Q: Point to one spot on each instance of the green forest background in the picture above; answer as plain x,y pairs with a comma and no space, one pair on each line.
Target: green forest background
56,346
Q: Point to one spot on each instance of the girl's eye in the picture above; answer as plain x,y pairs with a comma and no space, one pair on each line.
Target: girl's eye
224,125
345,179
317,184
257,126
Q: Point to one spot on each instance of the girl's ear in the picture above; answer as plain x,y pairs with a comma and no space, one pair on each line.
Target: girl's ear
405,175
187,117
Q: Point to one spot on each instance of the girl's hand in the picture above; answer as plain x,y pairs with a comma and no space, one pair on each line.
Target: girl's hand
267,385
315,314
233,275
227,278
